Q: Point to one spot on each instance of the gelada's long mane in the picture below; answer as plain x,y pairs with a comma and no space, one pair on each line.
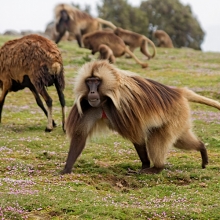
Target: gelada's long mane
71,11
135,99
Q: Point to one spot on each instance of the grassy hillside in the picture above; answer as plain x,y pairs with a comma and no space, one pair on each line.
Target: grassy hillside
100,186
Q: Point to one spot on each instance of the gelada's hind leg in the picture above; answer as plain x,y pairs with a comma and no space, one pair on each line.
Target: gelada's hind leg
158,145
38,100
188,141
48,101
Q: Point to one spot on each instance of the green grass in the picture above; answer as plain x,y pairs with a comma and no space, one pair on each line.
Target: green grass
101,186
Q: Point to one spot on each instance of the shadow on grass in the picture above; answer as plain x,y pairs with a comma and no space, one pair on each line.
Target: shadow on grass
120,177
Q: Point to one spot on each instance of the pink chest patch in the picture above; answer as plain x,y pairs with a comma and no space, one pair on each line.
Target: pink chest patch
103,114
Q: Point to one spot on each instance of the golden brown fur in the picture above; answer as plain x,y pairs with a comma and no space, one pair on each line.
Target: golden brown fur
35,62
106,53
163,38
93,40
135,40
152,116
76,22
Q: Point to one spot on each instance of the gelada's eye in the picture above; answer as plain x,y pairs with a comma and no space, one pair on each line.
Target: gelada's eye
93,81
89,81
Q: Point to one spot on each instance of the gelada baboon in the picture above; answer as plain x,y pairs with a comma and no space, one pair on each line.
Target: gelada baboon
93,41
76,22
135,40
163,38
52,34
33,62
151,115
106,53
